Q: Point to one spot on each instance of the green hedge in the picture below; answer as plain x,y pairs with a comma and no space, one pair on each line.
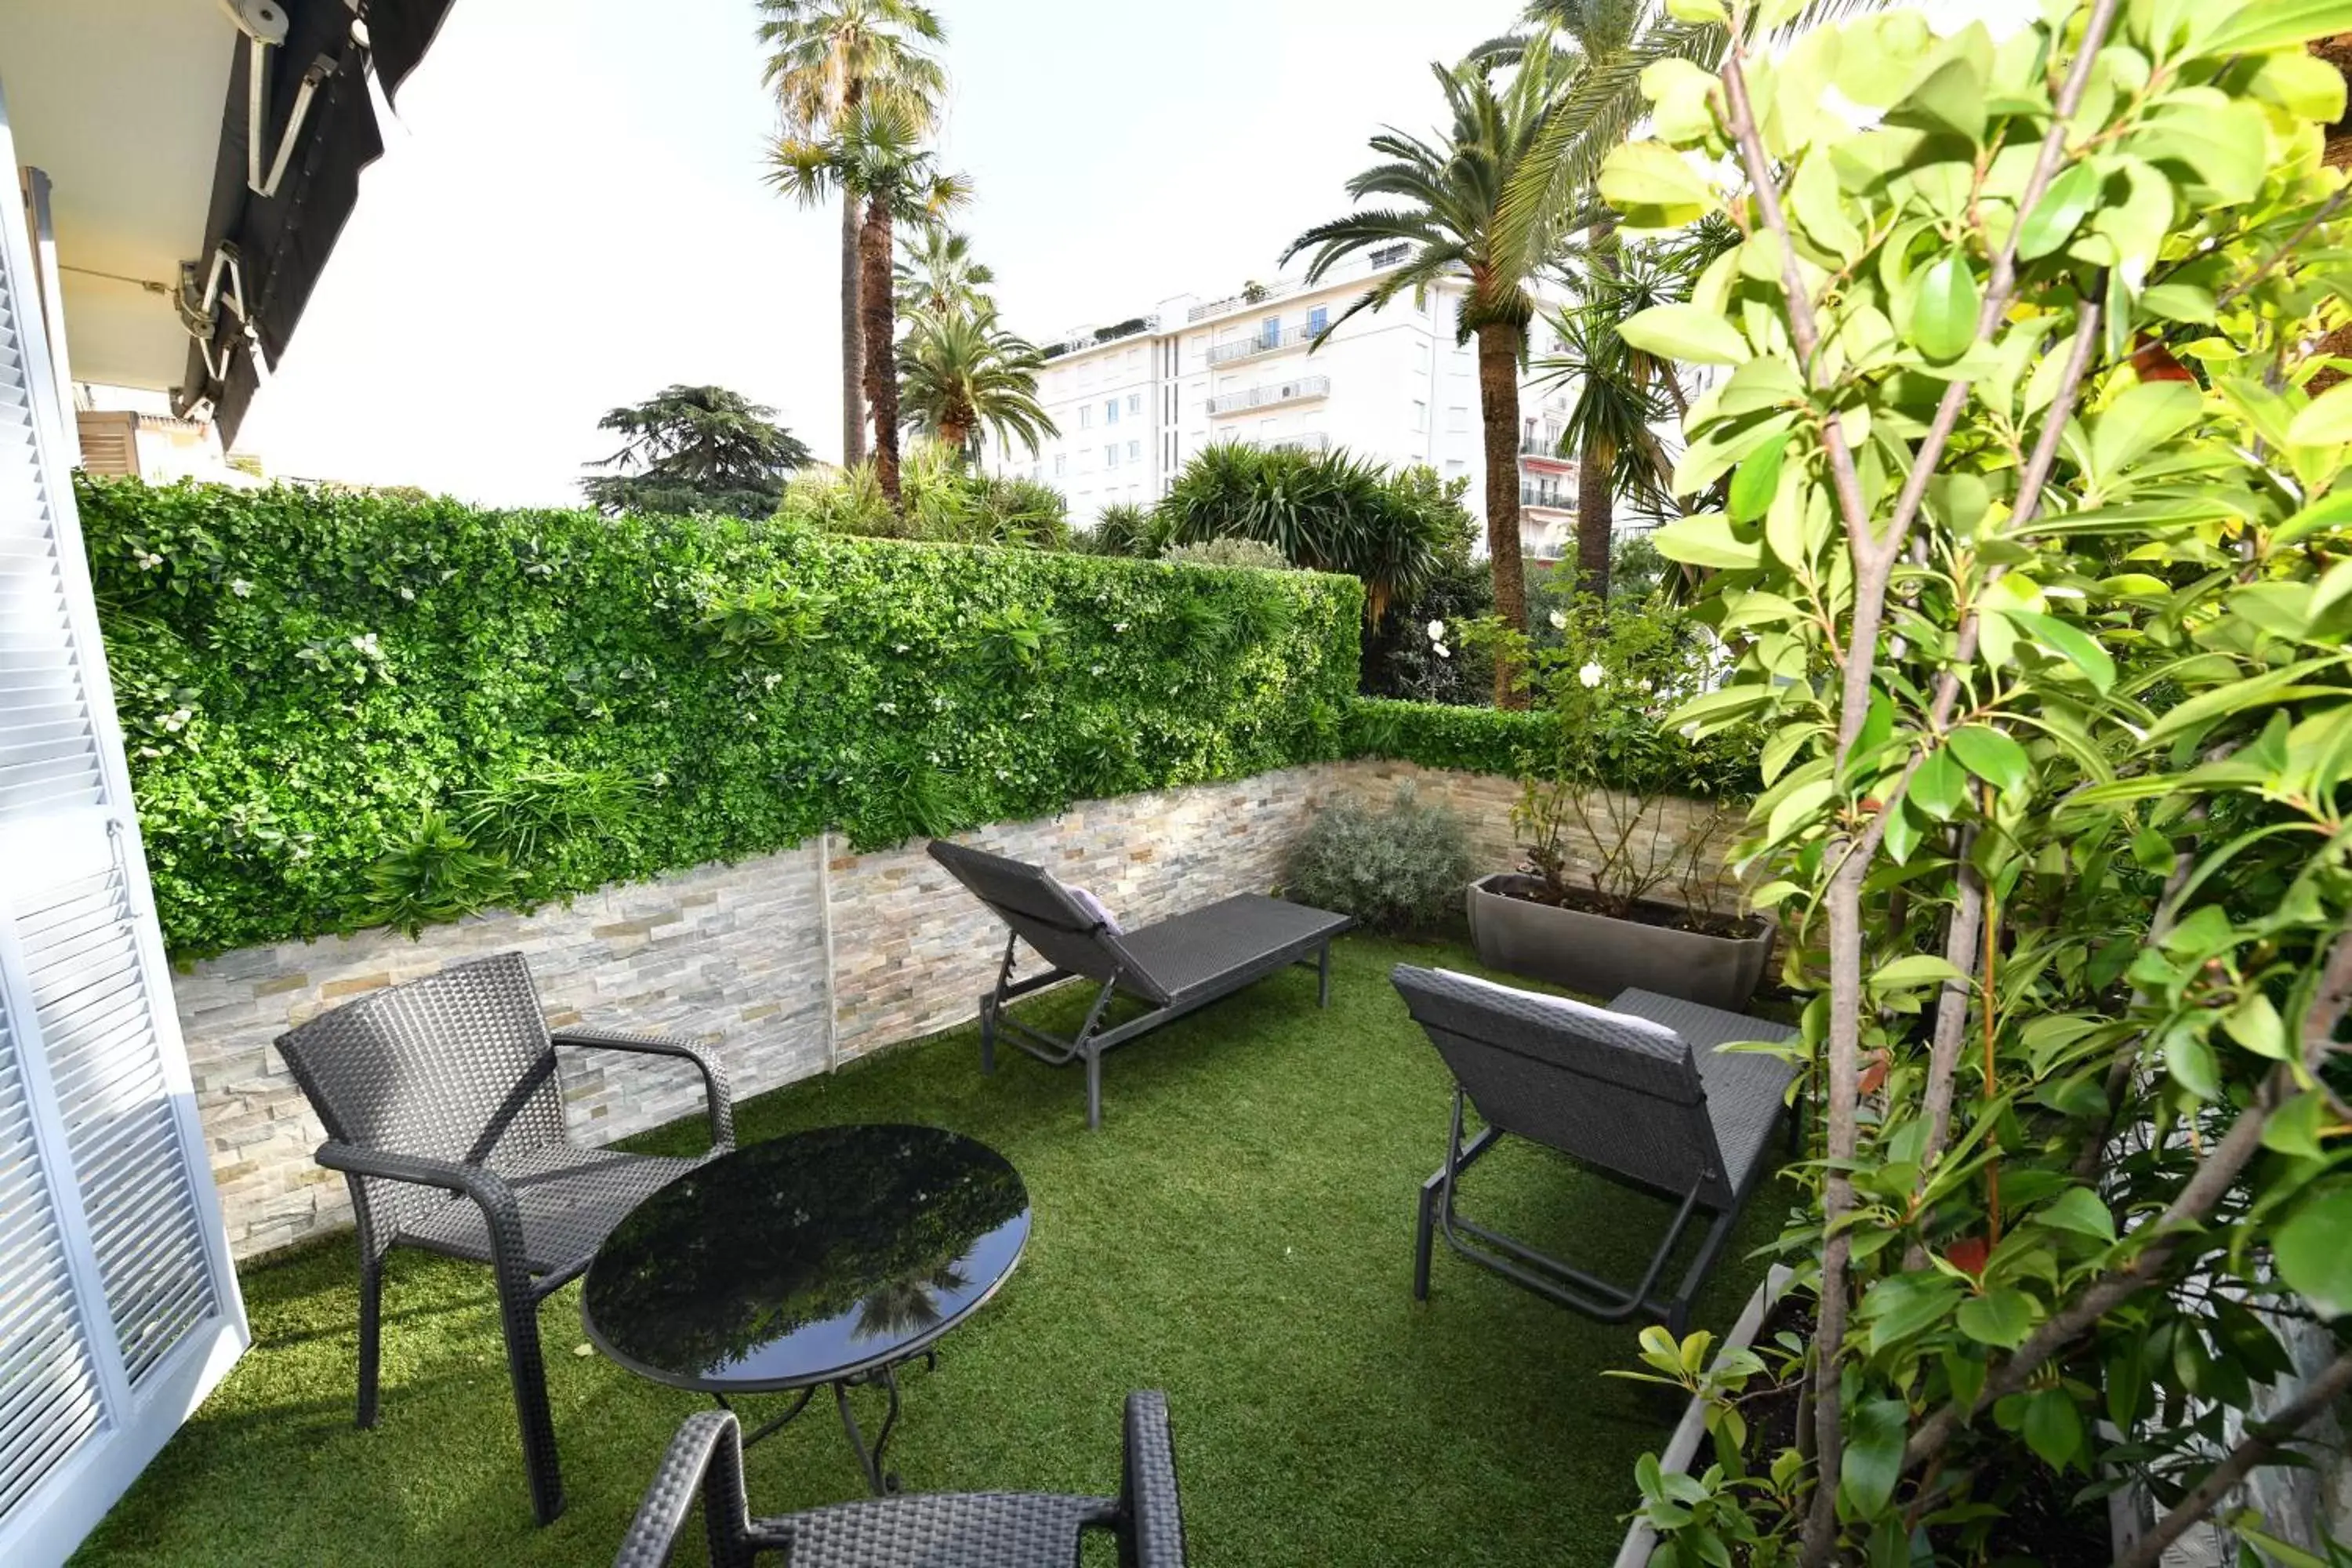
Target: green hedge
345,708
1439,735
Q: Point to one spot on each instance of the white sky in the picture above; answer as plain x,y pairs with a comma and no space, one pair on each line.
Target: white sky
568,214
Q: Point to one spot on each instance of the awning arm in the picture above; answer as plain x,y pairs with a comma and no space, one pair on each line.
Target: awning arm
263,24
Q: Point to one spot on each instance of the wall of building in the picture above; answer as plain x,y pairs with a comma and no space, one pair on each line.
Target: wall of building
787,964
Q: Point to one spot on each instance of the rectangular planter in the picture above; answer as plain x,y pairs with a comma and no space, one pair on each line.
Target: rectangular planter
1602,956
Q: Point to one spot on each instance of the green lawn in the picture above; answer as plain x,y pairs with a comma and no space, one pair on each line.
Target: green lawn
1239,1233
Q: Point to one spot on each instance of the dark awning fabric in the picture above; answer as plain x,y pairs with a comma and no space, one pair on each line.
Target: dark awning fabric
283,240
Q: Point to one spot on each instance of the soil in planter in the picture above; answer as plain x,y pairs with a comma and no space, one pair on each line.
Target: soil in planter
2045,1527
1529,887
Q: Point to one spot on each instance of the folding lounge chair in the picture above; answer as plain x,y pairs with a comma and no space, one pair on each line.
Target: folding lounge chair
1638,1091
1172,967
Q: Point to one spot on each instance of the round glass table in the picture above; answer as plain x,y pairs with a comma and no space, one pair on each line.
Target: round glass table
825,1258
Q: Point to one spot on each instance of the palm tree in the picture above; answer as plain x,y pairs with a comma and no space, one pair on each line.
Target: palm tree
1446,195
960,373
825,59
877,156
940,277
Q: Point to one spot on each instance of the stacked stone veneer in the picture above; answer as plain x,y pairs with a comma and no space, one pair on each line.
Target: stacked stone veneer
788,963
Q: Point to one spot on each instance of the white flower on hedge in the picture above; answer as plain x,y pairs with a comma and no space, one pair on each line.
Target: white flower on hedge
1689,732
1558,621
1590,676
898,648
149,561
1642,684
241,588
1441,650
366,644
1437,631
1119,626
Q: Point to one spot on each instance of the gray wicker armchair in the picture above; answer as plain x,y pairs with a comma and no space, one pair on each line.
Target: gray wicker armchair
1639,1091
921,1530
443,1111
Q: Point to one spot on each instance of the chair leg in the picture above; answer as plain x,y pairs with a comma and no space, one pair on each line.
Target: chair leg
1424,1235
1094,1088
987,1036
371,1332
528,1371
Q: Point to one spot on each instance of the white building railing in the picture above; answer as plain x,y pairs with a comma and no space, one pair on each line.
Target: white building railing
1304,387
1258,344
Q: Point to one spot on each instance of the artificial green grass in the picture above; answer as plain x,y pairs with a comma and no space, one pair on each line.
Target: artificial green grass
1239,1233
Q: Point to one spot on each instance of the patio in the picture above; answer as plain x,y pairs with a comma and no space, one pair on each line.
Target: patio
1239,1233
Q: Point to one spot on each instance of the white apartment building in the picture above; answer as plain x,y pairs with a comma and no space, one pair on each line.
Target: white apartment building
1136,400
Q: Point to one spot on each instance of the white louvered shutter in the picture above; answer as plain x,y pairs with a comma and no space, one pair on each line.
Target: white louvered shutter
118,1307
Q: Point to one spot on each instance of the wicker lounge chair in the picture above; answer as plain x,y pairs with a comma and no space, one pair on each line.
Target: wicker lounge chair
933,1530
1172,967
1638,1091
444,1113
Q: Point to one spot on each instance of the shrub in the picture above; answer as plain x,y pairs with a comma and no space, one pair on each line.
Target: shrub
1124,529
1436,735
1398,869
1228,552
342,708
946,503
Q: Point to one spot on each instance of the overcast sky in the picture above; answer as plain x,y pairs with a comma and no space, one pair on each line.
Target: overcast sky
570,214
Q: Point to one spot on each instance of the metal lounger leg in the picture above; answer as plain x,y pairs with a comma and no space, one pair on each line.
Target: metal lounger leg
1437,1193
991,1001
1678,1310
1323,978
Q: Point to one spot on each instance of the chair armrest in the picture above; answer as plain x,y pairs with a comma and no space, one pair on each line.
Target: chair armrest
1154,1533
716,1089
705,1460
486,1187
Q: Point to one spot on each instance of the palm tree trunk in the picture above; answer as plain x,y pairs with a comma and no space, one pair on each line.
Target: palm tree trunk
853,354
1594,510
1498,399
879,329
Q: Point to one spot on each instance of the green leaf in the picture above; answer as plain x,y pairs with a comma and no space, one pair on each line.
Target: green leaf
2294,1129
1753,483
1914,969
2190,1062
1706,540
1940,786
2278,24
1903,1306
2179,302
1992,756
1952,98
2313,1254
1699,12
1873,1456
2071,643
2139,422
1650,184
1944,307
2078,1209
2000,1318
2061,210
2221,147
2254,1023
2328,421
2053,1427
1685,333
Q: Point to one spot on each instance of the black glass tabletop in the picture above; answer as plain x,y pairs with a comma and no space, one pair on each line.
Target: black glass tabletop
807,1258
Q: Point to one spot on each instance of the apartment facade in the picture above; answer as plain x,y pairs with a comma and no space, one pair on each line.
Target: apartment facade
1136,400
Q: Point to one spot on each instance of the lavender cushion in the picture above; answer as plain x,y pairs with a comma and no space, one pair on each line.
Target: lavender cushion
1094,908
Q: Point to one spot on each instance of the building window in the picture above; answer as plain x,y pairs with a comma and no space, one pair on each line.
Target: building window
1110,457
1135,403
1389,254
1061,464
1420,417
1085,415
1318,320
1457,419
1110,411
1135,451
1269,332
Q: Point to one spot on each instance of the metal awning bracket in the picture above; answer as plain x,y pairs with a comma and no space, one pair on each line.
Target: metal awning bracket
263,24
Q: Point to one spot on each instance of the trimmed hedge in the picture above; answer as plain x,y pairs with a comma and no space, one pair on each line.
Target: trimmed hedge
343,709
1440,735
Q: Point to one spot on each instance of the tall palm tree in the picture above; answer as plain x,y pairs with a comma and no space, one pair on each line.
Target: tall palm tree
940,276
877,156
825,59
960,374
1445,195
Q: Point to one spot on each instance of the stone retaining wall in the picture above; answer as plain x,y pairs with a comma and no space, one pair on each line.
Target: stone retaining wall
788,963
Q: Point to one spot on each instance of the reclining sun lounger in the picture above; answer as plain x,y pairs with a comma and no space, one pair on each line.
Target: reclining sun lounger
1637,1090
1172,967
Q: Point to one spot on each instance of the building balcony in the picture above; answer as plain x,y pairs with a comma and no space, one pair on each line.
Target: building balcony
1536,447
1548,497
1258,344
1308,441
1272,393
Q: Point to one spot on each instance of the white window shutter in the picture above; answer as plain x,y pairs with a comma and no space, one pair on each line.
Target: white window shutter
119,1311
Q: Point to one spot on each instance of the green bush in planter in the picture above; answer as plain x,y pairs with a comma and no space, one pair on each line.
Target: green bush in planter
2039,563
1398,869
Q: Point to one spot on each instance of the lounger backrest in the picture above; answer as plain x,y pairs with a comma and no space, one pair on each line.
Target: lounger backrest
1042,912
1612,1091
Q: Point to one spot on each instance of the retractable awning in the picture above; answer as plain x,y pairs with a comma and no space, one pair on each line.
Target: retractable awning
192,215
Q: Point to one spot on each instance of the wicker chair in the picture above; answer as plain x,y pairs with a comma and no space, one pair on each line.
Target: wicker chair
922,1529
444,1113
1639,1091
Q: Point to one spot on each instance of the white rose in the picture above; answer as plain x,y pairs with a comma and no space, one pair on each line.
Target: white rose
1558,622
1437,631
1441,652
1591,675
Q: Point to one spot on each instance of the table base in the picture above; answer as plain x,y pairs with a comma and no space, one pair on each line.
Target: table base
878,1481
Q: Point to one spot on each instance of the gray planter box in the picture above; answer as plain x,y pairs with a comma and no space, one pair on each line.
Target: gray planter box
1602,956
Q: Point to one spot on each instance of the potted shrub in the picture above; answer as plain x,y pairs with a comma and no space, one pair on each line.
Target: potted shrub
1624,820
2038,558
